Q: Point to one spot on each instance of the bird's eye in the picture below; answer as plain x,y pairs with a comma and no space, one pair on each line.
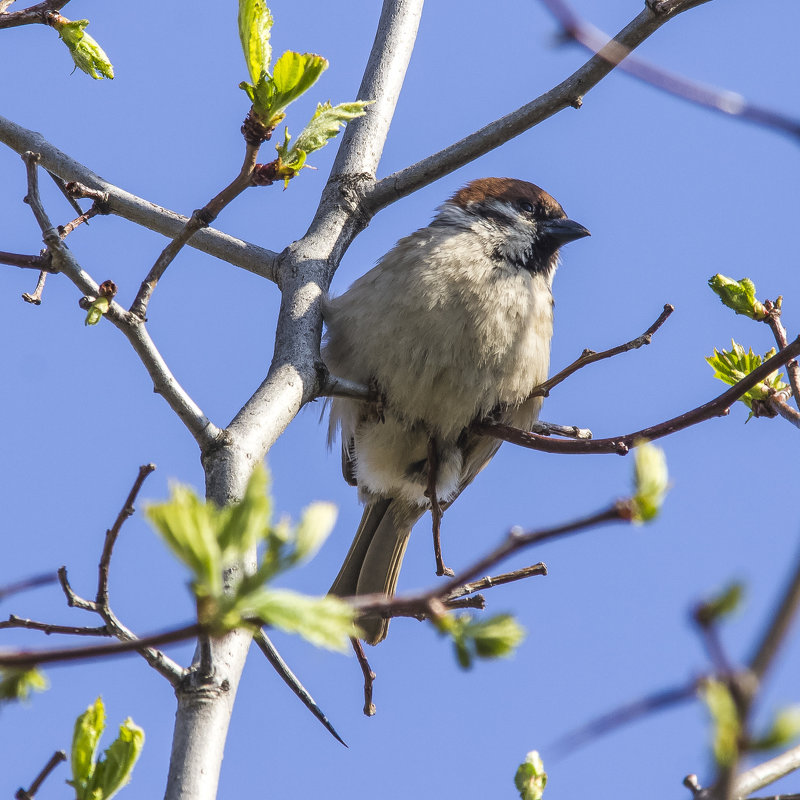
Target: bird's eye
526,206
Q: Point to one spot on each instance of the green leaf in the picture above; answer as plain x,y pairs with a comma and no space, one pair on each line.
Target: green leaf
531,778
651,482
189,526
738,295
734,365
96,310
313,529
294,75
326,123
255,25
89,727
726,727
114,769
785,728
495,637
723,604
85,51
19,684
246,523
323,621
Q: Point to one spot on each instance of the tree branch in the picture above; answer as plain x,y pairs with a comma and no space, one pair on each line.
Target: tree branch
568,93
32,15
764,774
204,431
622,444
590,356
54,761
142,212
201,218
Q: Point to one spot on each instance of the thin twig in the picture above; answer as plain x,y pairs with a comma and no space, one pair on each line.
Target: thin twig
28,583
497,580
14,621
784,410
291,680
66,230
30,658
201,218
720,100
126,512
204,431
430,602
54,761
621,445
369,677
35,298
590,356
773,319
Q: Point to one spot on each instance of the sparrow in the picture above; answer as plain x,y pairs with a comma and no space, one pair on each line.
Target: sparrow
453,325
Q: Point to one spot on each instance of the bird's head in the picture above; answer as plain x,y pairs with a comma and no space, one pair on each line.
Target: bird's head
522,224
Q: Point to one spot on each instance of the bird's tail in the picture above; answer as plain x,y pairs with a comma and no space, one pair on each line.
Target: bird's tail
373,562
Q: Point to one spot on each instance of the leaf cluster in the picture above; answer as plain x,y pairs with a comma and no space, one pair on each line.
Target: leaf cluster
213,542
19,684
101,779
87,54
731,366
738,295
495,637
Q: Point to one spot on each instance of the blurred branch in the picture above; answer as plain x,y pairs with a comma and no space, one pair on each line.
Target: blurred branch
54,761
622,444
624,715
568,93
14,621
27,583
590,356
164,383
720,100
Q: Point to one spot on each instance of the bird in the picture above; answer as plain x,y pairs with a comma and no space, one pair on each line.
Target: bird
452,325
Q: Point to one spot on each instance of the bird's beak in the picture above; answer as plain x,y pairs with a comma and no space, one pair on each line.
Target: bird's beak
563,230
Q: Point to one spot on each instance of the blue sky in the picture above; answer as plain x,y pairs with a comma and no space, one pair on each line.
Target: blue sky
671,193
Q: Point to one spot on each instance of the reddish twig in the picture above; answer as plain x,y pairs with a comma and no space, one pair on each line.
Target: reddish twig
201,218
41,262
66,230
54,761
369,677
773,319
32,15
498,580
112,533
719,406
590,356
25,659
